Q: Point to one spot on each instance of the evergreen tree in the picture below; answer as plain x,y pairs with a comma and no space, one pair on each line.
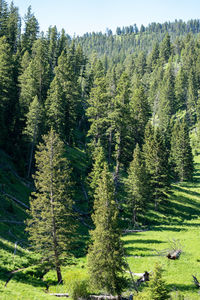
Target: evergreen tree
99,160
181,151
53,47
140,112
123,127
105,255
13,28
167,105
192,96
157,165
97,106
181,89
137,185
165,48
158,290
153,57
30,32
33,127
63,104
51,226
3,18
34,81
7,93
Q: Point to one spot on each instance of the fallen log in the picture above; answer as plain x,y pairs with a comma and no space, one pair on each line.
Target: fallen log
59,295
134,230
196,282
103,297
174,255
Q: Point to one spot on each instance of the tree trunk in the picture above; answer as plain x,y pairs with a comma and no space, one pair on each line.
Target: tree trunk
59,275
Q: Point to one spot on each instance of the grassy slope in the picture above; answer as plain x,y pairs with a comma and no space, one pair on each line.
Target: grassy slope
180,221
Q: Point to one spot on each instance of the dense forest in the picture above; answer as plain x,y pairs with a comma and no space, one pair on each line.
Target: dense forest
127,103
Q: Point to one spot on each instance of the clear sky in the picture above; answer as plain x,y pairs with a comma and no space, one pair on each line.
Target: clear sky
81,16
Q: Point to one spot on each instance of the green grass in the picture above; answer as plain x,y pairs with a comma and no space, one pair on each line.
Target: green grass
180,219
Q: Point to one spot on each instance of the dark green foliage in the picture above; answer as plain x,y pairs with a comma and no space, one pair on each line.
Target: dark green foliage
157,286
137,185
105,255
63,104
167,105
181,89
97,105
157,165
30,32
34,81
51,226
140,112
181,152
165,48
7,93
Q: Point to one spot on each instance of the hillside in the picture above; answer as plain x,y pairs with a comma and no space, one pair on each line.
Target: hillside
179,223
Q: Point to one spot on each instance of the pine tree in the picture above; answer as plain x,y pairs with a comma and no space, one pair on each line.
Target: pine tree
30,32
53,47
33,127
7,93
13,28
3,18
122,125
192,96
153,57
34,81
165,48
97,105
63,104
140,112
167,105
137,185
181,151
51,226
157,164
99,160
158,290
105,255
181,89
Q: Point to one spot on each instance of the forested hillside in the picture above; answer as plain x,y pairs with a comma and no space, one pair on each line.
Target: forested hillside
96,130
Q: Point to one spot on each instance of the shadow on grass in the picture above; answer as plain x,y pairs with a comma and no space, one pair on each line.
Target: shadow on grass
192,193
142,241
11,249
129,249
182,287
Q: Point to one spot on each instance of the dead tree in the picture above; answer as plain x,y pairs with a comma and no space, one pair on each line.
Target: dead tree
196,282
173,252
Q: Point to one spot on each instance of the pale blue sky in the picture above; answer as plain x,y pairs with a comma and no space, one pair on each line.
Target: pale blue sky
81,16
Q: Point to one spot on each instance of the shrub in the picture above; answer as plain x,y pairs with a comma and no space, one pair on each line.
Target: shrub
79,289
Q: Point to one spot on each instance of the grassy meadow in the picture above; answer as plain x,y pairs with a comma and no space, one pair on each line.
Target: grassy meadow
178,223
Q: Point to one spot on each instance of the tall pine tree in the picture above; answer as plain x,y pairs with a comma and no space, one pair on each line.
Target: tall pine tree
137,185
105,256
51,226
